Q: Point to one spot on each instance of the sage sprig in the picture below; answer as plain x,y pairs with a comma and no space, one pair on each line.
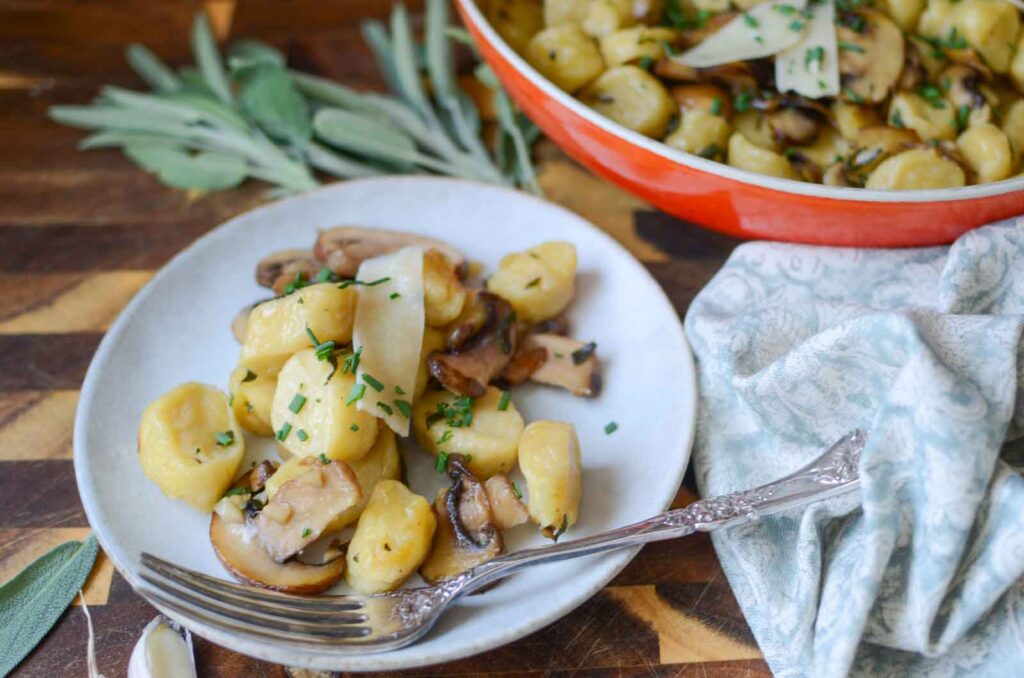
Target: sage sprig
213,125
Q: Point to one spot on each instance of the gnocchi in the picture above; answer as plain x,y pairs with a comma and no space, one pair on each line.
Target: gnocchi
549,457
539,283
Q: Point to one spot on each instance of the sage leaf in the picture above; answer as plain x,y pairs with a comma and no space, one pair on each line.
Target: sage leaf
192,81
151,69
32,602
210,109
251,52
379,42
364,135
175,166
271,100
326,160
204,50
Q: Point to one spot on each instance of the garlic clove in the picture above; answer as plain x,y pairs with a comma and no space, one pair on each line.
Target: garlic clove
163,651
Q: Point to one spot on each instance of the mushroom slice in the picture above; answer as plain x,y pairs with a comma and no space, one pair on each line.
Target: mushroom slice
344,248
466,533
506,502
872,61
792,126
965,90
304,506
838,174
280,268
468,369
525,361
235,543
571,364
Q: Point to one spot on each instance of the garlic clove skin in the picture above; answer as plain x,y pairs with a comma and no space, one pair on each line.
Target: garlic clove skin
164,650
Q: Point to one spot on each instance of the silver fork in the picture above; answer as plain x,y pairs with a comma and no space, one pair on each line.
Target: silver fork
377,623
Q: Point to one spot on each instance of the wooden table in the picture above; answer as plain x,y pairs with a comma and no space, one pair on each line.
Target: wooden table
80,233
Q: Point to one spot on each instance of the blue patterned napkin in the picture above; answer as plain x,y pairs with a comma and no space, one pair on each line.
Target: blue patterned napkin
921,573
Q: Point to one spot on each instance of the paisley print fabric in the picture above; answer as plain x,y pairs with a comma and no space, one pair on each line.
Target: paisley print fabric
921,573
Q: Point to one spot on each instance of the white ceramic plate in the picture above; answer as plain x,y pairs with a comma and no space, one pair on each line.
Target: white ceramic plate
177,329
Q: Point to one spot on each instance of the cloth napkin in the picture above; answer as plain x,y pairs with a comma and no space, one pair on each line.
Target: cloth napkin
920,573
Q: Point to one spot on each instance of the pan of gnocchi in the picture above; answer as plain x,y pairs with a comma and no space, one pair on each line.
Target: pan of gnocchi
440,374
860,122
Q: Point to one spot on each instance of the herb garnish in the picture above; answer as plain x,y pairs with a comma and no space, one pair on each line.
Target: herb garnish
610,428
445,437
283,432
236,491
353,428
516,491
963,116
850,47
405,407
350,362
506,398
326,275
306,532
533,283
457,414
297,403
225,438
580,355
561,530
741,102
357,392
442,462
324,459
394,295
349,283
716,106
374,384
302,435
384,406
750,21
249,376
814,56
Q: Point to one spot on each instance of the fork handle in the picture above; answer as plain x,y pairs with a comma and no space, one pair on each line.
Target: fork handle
835,472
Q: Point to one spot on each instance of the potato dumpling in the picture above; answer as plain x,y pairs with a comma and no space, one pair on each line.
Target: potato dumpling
931,119
391,540
917,168
701,133
986,150
190,444
251,398
488,441
745,155
380,463
632,97
1017,65
539,283
633,44
559,12
566,56
549,457
989,26
433,340
515,20
278,328
1013,126
443,294
604,16
852,118
754,126
828,148
904,13
312,415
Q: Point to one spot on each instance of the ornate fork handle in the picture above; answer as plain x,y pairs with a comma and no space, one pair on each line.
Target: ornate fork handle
835,472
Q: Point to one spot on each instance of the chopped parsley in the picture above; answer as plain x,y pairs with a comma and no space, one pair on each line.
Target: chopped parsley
610,428
297,403
283,432
716,106
349,283
374,384
385,407
302,435
350,362
442,462
296,284
516,491
506,398
225,438
445,437
404,407
646,62
357,392
709,151
306,532
236,491
750,21
814,57
399,390
850,47
897,119
963,117
353,428
933,95
787,10
796,26
394,295
457,414
324,459
326,275
741,102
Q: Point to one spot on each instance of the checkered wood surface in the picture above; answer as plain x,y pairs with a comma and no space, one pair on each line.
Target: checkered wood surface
80,233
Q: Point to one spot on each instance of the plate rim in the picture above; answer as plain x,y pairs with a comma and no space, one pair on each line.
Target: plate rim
323,658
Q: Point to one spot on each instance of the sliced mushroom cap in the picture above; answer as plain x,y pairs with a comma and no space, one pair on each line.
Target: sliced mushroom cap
793,125
968,56
524,363
304,506
914,73
838,174
344,248
506,503
875,143
280,268
804,166
571,364
236,545
556,325
466,534
873,60
965,88
468,369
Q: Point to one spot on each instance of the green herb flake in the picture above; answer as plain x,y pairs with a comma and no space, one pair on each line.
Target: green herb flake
394,295
897,119
225,438
796,26
742,102
561,530
350,363
349,283
646,62
374,384
786,10
516,491
326,275
750,21
357,392
506,398
533,283
306,532
324,459
384,406
283,432
582,354
404,407
610,428
716,106
297,403
849,47
814,57
963,117
445,437
399,390
442,462
237,491
353,428
302,435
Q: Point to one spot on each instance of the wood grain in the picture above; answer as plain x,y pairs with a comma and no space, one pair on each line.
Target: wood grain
81,233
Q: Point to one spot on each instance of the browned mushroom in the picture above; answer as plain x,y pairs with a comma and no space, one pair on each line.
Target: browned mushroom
964,89
571,364
466,534
914,73
838,174
968,56
875,143
524,362
705,97
506,502
280,268
344,248
793,125
670,69
872,60
304,506
468,369
804,166
233,536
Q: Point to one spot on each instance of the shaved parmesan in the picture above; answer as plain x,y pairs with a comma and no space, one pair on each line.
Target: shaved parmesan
761,31
389,329
811,66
